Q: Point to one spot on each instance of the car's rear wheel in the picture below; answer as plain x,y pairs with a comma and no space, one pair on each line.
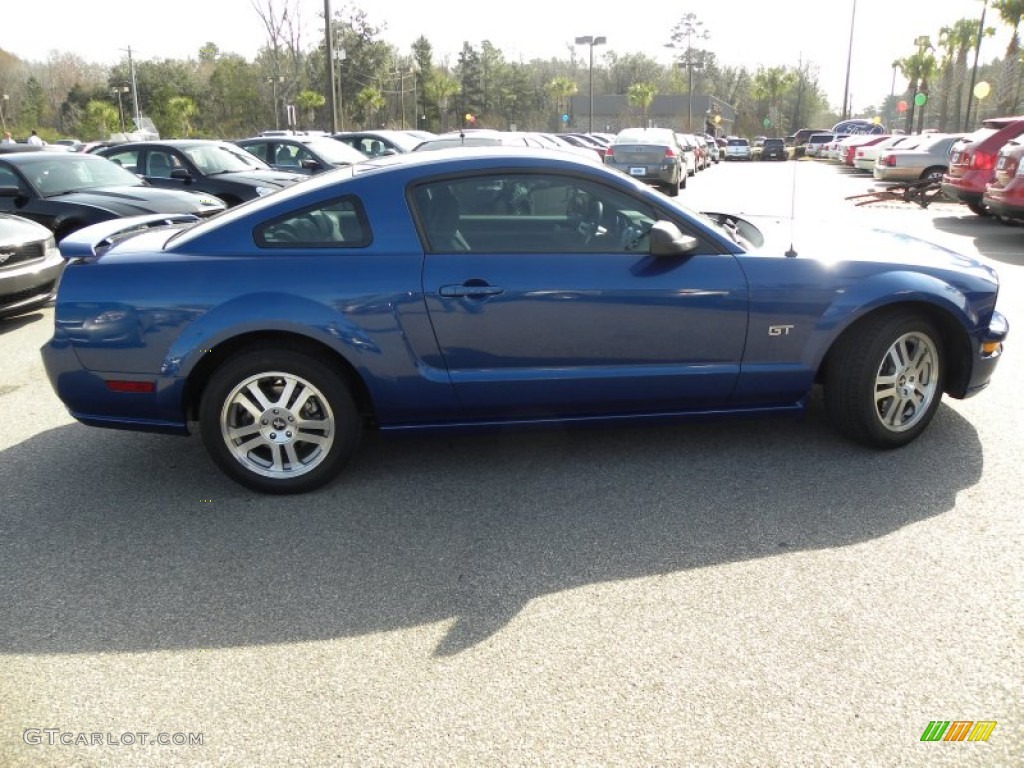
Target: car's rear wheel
672,190
883,382
978,208
278,421
935,173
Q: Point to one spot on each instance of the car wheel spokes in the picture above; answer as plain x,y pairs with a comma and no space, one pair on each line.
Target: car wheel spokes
277,425
906,382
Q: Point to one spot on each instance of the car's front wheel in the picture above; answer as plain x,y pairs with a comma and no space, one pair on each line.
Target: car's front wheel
278,421
883,382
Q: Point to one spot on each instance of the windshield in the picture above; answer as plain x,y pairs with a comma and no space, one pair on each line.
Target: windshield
222,158
55,174
335,152
644,136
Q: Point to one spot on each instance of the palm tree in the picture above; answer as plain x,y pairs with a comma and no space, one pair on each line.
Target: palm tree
917,68
641,95
308,101
182,109
948,44
560,89
964,37
1011,12
438,90
370,101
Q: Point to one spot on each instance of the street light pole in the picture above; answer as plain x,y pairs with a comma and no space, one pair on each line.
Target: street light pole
274,80
119,89
339,57
4,100
591,41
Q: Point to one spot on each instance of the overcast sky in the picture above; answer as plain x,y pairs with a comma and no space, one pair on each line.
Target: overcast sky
742,32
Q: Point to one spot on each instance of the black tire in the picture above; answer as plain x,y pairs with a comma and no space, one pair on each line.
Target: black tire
857,373
682,181
672,190
935,172
306,457
978,208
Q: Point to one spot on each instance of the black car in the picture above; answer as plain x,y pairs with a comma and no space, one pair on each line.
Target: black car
377,143
302,154
774,149
29,265
215,167
65,191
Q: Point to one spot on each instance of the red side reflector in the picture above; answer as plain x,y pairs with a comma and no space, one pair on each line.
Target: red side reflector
119,385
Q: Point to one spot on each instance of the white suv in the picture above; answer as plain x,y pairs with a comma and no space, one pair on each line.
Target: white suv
737,149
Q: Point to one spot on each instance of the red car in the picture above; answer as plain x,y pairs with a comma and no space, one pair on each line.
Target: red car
850,150
973,162
1004,196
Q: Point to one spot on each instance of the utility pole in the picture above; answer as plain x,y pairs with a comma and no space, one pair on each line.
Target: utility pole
135,90
331,102
849,58
974,69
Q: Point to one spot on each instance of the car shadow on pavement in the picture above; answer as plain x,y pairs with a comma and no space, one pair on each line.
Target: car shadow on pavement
9,324
994,240
117,541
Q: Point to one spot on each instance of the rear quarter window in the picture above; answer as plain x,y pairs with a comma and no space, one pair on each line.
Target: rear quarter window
340,223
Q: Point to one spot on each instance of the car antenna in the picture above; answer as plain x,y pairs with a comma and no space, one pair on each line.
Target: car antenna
791,253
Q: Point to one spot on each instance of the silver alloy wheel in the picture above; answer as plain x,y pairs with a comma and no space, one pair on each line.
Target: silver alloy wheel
906,382
277,425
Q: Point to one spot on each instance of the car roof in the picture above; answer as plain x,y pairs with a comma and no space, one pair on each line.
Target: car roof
31,158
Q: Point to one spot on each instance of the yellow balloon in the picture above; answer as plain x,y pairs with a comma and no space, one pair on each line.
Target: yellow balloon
876,120
982,89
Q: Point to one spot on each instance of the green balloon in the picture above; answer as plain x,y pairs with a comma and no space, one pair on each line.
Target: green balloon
766,122
920,99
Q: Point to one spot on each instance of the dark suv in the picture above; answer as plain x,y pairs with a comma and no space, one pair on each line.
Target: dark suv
774,149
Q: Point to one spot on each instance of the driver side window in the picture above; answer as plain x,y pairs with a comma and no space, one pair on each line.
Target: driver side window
530,213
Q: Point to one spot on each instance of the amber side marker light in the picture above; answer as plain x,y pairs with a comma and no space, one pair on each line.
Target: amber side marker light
119,385
990,348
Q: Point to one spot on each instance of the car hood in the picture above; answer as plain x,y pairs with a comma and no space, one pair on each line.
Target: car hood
832,244
15,231
137,200
261,178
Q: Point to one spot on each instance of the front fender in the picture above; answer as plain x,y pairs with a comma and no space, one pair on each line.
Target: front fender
893,289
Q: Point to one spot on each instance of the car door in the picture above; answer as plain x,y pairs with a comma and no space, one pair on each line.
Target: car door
544,301
160,165
20,199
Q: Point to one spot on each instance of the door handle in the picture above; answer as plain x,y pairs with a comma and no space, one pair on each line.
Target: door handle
470,291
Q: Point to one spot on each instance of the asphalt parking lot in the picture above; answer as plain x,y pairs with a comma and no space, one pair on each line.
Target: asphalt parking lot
753,593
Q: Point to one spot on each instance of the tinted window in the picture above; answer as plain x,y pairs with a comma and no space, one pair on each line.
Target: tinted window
519,213
128,159
259,149
335,224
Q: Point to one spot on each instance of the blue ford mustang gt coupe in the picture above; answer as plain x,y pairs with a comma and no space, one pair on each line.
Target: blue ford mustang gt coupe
476,288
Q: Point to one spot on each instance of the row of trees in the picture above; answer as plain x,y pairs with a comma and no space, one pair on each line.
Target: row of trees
937,76
219,94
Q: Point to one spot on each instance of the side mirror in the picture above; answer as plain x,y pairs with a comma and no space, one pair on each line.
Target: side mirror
181,173
10,192
310,165
666,239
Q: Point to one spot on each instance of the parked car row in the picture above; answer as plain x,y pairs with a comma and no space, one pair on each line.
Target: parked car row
901,158
984,170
